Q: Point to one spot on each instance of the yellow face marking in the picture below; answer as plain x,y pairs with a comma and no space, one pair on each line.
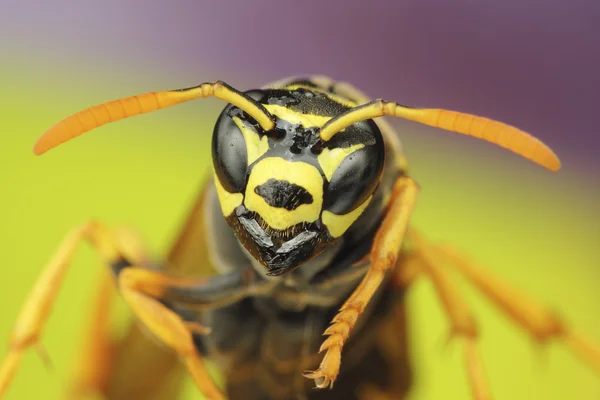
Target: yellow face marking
337,98
330,159
255,146
299,173
338,224
307,120
228,201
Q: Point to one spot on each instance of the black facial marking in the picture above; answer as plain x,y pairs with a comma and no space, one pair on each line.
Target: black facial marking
361,132
300,100
292,142
302,82
303,138
283,194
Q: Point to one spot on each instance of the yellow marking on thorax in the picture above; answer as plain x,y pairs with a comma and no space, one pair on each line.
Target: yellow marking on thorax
228,201
255,146
299,173
330,159
307,120
335,97
338,224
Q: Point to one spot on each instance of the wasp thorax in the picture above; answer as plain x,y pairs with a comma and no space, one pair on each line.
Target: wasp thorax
286,193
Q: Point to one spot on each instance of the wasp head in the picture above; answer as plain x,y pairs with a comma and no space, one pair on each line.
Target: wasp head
286,193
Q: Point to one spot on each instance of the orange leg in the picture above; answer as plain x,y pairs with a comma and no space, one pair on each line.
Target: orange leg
140,289
384,253
462,321
93,367
538,321
410,267
38,305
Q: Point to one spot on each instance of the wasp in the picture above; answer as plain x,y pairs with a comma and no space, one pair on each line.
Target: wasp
305,228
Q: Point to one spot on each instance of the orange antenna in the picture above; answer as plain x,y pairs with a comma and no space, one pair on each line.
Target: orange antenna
492,131
115,110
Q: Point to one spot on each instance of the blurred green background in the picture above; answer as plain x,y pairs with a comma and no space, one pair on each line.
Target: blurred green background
536,229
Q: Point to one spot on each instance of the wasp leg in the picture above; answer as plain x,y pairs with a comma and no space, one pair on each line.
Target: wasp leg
142,367
128,379
140,289
538,321
34,314
384,253
93,367
39,303
461,318
217,291
410,266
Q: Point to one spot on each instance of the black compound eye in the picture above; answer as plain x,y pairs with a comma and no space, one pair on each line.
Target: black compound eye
357,176
229,151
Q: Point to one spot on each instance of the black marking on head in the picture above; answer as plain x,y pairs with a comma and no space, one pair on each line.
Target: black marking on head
364,132
294,143
303,138
300,100
302,82
283,194
284,98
